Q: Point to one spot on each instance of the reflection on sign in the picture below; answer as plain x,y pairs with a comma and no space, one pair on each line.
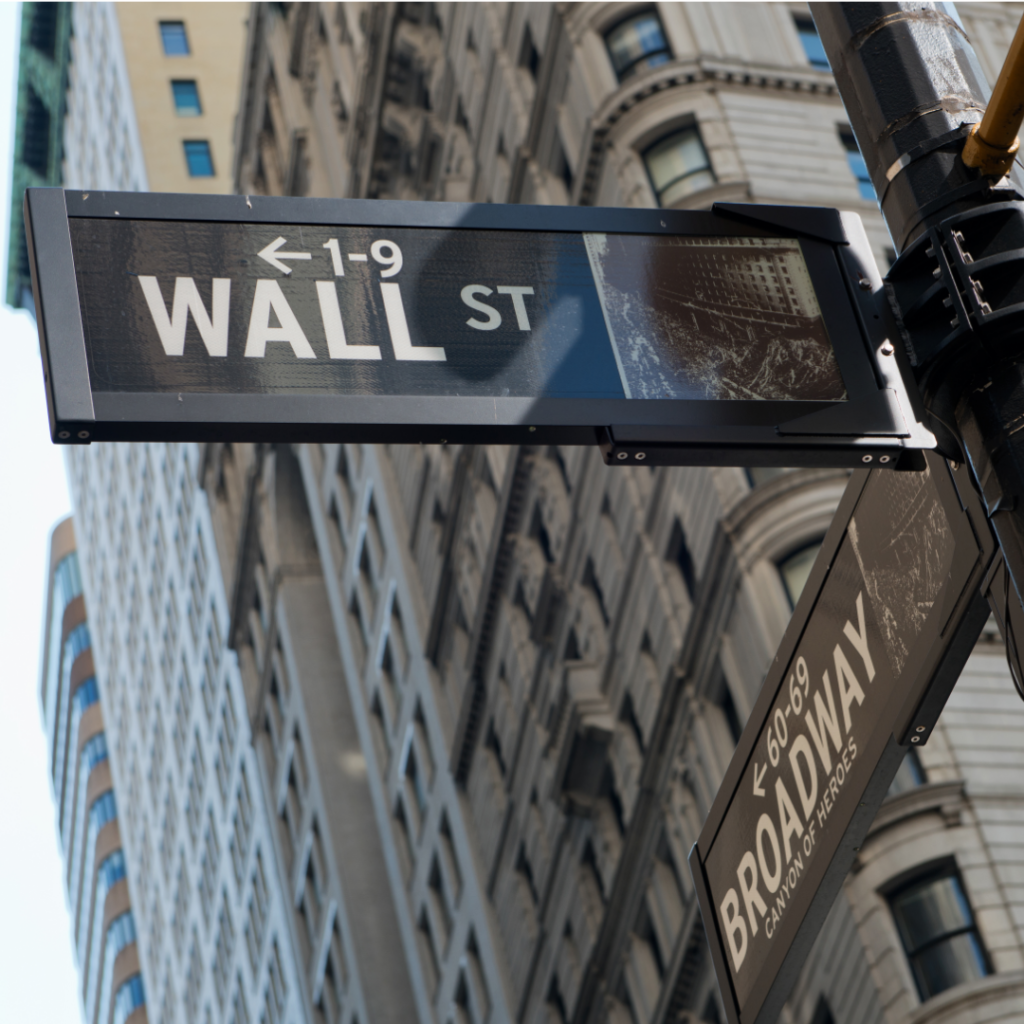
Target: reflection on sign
241,308
714,318
810,764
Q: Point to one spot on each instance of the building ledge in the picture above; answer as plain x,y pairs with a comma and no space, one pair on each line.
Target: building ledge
995,998
947,799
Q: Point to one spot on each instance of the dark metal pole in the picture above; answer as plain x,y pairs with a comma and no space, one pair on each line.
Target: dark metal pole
913,89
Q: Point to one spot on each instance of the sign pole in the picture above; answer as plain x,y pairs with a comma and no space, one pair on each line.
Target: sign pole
915,95
901,588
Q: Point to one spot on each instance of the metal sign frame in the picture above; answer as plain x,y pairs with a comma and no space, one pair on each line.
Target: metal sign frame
909,711
876,424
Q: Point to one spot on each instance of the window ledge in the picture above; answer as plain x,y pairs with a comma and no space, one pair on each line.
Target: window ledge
981,1001
945,798
720,192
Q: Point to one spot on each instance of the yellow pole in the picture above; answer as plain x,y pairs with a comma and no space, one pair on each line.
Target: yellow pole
993,143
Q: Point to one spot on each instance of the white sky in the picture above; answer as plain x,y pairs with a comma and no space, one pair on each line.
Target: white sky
38,980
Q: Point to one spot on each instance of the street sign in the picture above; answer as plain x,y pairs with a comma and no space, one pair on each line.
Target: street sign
748,335
886,621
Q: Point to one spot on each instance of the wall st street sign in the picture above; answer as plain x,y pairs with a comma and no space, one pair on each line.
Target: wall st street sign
887,620
741,336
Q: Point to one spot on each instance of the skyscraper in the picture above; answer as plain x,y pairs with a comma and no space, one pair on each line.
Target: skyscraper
102,924
476,701
122,96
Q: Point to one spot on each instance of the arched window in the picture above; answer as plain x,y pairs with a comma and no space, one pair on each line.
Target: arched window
678,166
795,568
637,43
936,926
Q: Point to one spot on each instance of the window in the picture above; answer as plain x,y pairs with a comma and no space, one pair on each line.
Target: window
909,776
199,158
678,166
186,98
529,55
172,35
795,568
636,44
678,553
808,33
938,932
130,996
822,1012
858,165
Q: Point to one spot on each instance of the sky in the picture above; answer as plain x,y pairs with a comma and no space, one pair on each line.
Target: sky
38,979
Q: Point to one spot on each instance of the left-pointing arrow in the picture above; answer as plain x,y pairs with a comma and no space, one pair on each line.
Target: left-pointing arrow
273,257
758,788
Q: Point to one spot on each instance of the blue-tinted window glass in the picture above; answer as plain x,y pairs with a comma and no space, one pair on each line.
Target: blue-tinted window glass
636,43
938,933
86,695
130,996
858,165
812,43
78,641
67,581
93,752
109,873
199,159
120,933
186,98
174,38
111,870
103,810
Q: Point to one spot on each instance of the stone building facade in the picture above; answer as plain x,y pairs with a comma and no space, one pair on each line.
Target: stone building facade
483,697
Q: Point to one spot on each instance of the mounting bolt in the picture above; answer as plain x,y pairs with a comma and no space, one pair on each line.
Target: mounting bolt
883,459
915,739
622,455
865,284
83,434
640,456
64,433
920,728
866,458
887,349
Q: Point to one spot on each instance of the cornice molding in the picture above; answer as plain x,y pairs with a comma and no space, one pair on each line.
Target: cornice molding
708,72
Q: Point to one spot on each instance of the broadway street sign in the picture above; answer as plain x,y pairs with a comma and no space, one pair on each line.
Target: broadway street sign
886,622
748,335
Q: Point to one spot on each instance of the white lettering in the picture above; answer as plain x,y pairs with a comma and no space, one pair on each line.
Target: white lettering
788,817
808,796
339,266
493,316
826,720
334,329
395,311
747,874
849,688
734,925
517,292
766,827
213,330
270,297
